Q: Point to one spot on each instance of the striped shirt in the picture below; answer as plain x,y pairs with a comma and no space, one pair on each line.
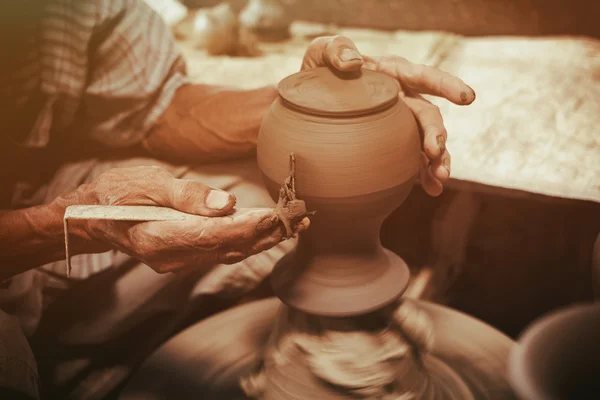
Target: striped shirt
103,70
78,71
98,72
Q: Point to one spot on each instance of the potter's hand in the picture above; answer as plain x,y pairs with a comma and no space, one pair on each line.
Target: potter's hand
212,235
340,53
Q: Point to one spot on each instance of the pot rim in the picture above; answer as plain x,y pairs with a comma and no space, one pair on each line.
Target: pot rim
378,92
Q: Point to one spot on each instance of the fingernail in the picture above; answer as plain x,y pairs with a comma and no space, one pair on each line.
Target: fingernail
473,94
441,142
463,96
303,225
218,199
349,55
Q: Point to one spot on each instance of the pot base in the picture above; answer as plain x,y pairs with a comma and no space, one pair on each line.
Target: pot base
296,282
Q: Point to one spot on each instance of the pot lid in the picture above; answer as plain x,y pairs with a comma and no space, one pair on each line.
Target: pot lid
325,92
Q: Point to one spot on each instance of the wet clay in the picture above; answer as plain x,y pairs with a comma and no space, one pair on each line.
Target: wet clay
289,209
383,355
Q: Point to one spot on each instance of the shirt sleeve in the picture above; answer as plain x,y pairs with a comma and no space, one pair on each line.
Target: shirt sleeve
134,70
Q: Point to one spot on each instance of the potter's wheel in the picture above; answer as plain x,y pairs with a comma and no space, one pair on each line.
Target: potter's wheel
206,360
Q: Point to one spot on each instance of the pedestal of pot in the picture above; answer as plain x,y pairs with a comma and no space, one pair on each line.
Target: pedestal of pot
340,267
339,285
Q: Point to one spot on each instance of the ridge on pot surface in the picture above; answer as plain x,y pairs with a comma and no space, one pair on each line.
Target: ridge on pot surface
323,91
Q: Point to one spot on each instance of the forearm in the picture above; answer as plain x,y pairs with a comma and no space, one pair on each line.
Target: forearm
34,236
207,123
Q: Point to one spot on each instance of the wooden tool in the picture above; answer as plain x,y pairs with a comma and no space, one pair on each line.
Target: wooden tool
116,213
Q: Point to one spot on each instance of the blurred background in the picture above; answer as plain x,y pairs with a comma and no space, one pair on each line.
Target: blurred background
466,17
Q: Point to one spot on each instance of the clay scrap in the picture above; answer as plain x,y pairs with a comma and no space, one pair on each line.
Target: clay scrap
289,209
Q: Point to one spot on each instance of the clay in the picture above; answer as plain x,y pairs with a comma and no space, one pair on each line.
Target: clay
357,152
376,356
558,356
290,209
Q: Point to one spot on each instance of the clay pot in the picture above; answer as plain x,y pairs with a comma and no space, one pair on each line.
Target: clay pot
357,150
558,357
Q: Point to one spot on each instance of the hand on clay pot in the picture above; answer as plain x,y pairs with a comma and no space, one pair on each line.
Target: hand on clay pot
340,52
213,234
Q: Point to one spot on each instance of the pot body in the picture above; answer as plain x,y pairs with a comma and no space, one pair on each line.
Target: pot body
341,158
353,171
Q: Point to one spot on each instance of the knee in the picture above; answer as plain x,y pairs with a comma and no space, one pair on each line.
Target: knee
18,370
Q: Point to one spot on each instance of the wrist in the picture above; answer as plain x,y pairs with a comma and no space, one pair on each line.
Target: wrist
81,232
29,238
34,236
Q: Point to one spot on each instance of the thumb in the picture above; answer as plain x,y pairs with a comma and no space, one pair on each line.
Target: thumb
342,54
338,52
193,197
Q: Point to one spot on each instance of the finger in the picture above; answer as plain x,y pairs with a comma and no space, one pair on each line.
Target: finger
199,234
197,198
440,168
252,227
277,236
233,252
423,79
267,241
243,226
342,54
431,124
112,232
338,52
429,183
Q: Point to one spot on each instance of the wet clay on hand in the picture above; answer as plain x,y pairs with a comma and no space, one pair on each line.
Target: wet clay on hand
290,209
